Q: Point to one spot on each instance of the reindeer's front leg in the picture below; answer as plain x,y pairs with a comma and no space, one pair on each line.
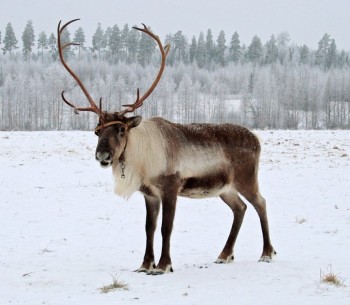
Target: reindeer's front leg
169,196
152,209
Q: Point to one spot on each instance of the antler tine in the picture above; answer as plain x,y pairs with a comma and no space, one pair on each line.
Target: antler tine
164,52
61,47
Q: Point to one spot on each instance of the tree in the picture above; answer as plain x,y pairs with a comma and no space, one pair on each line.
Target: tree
271,50
10,41
115,42
98,40
180,45
133,45
125,39
209,47
193,49
235,50
201,51
322,51
304,54
28,38
79,37
220,48
332,58
254,50
52,45
146,47
42,43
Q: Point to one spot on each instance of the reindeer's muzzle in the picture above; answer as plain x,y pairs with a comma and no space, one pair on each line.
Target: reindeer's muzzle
105,158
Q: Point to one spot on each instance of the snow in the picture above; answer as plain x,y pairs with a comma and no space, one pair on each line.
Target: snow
64,234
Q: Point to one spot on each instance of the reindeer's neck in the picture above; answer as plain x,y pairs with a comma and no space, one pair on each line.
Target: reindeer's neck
144,156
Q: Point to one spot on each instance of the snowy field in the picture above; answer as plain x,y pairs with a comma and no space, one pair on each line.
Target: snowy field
64,233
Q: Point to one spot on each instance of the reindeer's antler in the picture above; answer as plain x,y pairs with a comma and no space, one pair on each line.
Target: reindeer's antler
61,47
164,51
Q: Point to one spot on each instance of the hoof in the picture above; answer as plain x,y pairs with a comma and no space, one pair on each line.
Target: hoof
267,258
159,271
143,269
229,259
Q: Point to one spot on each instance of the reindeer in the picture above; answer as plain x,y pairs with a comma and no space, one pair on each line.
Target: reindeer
164,160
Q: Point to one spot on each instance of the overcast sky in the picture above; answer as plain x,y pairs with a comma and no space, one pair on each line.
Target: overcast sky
305,20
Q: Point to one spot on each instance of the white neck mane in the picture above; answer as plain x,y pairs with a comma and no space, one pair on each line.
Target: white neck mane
145,158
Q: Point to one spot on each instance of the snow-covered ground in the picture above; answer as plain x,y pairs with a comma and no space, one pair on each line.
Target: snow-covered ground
64,233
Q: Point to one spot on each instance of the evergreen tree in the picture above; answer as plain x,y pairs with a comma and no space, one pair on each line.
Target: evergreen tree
52,44
179,46
209,47
220,48
42,43
201,51
304,54
115,42
271,50
28,38
79,37
10,41
146,47
322,51
254,50
193,49
133,45
99,40
65,38
235,50
332,57
125,39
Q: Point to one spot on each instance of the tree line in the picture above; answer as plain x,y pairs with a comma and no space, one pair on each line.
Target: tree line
116,44
273,85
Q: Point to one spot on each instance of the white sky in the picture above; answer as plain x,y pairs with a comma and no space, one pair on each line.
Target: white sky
305,20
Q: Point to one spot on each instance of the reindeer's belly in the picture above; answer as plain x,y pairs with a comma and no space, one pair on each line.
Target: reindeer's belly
205,186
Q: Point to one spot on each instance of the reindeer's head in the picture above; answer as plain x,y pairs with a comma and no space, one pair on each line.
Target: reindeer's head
113,127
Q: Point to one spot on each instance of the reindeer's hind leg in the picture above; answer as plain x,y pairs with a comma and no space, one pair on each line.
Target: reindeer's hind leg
238,208
259,204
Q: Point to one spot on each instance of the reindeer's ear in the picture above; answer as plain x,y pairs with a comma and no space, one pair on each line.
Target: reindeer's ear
134,121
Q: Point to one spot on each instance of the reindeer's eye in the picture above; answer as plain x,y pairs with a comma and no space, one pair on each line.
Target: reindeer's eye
121,130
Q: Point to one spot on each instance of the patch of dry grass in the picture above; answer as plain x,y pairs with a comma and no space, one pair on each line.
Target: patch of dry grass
331,278
116,284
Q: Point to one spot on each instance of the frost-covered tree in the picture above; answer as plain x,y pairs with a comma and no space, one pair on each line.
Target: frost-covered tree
255,49
125,39
271,50
332,56
220,48
304,54
193,49
146,47
115,43
52,45
133,45
42,43
179,46
209,47
28,39
235,50
201,51
322,51
79,37
10,41
99,40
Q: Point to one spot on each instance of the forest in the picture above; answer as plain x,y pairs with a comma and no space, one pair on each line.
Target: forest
275,84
